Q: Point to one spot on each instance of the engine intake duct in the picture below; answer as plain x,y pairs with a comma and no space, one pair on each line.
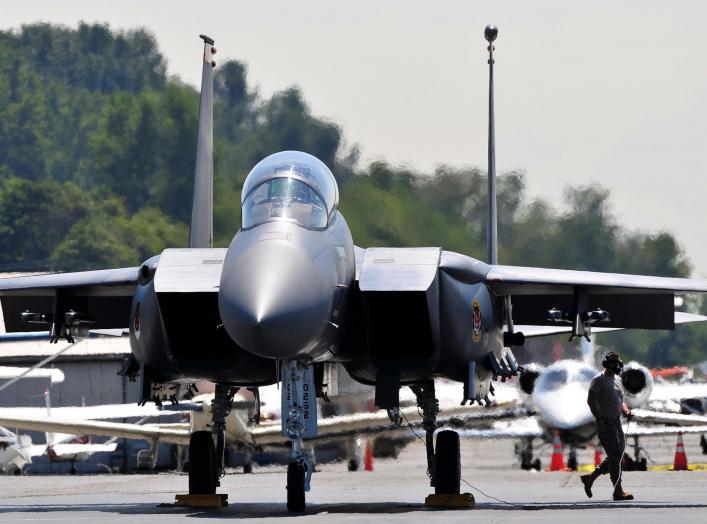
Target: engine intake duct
527,378
398,325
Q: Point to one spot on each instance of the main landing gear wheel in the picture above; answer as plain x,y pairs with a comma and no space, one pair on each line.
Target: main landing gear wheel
295,487
202,473
447,463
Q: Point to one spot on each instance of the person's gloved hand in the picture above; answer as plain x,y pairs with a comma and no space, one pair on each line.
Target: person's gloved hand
629,415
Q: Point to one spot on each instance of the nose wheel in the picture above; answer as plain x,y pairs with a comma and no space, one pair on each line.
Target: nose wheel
296,474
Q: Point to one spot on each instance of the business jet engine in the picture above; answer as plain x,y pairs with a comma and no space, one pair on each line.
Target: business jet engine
527,378
638,384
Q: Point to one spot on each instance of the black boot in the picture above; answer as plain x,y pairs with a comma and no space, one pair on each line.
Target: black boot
620,494
588,481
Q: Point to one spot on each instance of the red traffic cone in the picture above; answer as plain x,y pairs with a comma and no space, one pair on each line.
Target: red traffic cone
557,463
368,457
598,456
680,462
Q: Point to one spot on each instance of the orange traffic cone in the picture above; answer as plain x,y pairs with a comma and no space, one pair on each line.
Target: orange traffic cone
598,456
557,463
368,457
680,462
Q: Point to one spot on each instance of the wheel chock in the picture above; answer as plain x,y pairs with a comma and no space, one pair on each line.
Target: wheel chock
219,500
453,500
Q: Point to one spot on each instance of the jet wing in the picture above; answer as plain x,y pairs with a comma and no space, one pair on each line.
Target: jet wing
633,301
94,427
101,412
105,295
680,391
516,280
660,417
375,422
75,449
656,431
526,427
542,331
536,290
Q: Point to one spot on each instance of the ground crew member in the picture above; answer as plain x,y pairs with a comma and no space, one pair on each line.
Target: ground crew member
606,401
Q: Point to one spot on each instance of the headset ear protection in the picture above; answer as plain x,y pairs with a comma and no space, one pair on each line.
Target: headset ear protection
612,364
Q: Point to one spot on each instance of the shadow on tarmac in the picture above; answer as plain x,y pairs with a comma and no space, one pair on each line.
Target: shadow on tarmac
269,510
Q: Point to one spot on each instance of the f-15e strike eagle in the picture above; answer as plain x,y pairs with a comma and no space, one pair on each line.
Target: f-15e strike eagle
292,295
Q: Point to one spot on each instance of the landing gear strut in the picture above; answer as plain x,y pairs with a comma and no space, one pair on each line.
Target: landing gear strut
525,449
207,448
639,462
427,402
444,460
572,462
220,408
299,421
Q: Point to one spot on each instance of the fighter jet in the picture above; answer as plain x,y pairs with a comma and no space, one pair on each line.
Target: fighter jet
292,296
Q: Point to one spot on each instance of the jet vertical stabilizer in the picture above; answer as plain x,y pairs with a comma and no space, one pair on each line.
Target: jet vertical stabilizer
201,231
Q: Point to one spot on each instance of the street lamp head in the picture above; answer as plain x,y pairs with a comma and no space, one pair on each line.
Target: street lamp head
491,32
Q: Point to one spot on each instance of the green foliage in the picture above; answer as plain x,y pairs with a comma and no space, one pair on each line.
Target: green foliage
97,151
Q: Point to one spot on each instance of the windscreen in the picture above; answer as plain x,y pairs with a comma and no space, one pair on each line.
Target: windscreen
552,379
287,199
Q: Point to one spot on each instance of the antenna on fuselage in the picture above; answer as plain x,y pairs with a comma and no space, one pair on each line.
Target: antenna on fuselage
491,32
201,229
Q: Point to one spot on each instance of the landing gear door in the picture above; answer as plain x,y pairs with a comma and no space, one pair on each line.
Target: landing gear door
299,401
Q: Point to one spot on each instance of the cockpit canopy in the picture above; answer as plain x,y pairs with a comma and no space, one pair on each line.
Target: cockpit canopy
290,186
563,373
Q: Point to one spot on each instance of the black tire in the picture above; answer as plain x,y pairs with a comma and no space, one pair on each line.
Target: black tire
536,465
295,487
447,463
202,474
248,468
643,464
353,465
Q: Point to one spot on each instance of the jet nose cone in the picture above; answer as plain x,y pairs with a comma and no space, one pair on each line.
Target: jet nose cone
564,408
272,301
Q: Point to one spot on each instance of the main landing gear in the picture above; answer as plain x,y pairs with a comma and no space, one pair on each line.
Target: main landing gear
444,459
207,448
524,449
639,462
299,421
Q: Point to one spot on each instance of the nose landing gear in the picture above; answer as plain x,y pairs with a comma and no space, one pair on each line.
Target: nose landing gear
299,421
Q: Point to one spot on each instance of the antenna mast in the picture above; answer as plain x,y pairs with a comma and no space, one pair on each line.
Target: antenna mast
491,32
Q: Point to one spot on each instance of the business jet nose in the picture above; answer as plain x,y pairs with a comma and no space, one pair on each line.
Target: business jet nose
564,408
272,300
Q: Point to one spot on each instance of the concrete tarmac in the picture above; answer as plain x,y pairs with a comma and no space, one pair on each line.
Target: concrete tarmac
394,491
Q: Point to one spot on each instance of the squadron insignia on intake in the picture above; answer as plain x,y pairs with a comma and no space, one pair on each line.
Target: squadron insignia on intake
476,307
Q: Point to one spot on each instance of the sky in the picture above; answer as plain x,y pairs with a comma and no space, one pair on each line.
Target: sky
598,92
